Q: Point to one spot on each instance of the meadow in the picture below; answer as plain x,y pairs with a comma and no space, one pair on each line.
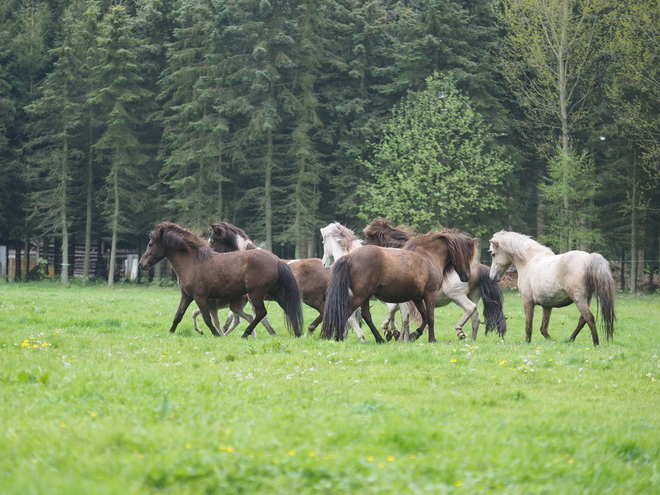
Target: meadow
97,397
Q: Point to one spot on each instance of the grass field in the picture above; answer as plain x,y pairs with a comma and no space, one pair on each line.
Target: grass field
96,397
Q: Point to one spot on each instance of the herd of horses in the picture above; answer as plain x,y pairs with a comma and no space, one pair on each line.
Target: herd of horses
410,272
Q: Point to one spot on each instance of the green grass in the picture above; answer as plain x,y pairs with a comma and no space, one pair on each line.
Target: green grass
97,397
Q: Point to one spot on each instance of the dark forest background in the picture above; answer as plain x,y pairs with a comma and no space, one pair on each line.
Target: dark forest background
282,116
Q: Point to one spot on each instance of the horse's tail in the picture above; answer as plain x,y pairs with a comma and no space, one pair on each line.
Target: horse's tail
337,301
493,299
600,280
290,299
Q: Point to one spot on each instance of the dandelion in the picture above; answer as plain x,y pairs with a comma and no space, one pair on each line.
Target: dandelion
502,363
381,465
370,458
35,346
413,456
312,453
571,461
276,461
453,361
189,445
230,449
92,414
458,483
292,453
390,458
62,424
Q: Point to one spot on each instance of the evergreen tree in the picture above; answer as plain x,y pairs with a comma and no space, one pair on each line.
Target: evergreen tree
59,115
120,100
193,129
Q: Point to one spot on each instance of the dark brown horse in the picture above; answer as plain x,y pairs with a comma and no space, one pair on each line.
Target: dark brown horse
465,294
311,276
203,275
414,273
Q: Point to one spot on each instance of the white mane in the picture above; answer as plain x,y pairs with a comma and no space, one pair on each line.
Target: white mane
519,245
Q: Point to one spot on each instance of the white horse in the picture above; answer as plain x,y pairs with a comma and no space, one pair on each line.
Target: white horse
338,241
464,294
555,280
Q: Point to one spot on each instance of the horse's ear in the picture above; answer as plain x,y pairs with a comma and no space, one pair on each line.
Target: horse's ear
210,229
494,243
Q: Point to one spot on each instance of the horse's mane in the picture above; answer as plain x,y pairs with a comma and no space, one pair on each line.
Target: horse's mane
518,245
229,234
461,246
386,235
343,235
173,236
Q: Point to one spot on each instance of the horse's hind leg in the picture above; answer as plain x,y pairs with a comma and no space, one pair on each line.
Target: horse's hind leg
312,326
195,314
469,309
389,319
586,316
352,322
259,314
545,322
366,316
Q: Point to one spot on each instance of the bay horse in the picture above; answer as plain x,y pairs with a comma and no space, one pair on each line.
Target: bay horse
338,241
311,277
414,273
226,238
203,274
464,294
554,280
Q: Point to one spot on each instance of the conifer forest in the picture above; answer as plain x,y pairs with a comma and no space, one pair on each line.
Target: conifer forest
283,116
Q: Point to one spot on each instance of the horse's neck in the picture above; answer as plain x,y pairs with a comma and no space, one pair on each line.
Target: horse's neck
179,260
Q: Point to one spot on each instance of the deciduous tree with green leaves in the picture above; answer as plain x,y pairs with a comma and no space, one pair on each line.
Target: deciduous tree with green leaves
436,164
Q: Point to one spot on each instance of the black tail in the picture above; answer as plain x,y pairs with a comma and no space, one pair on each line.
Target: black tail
602,283
493,299
338,301
288,297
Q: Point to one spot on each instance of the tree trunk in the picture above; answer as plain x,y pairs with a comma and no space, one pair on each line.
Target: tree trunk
633,229
88,214
268,207
115,227
63,213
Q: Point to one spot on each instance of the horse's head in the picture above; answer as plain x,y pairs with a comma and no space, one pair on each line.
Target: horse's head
502,260
225,237
332,250
155,251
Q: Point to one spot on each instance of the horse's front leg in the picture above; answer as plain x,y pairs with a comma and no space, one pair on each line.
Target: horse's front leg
430,301
184,302
366,316
421,308
545,322
203,305
528,307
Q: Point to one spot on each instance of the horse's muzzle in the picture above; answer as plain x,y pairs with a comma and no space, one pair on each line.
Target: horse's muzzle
144,266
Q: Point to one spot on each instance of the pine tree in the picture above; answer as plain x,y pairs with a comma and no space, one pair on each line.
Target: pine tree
120,100
59,116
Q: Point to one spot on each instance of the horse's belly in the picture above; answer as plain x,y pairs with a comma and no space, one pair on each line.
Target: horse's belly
394,295
553,300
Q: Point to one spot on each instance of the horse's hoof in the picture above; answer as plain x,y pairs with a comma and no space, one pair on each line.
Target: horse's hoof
460,335
396,334
388,335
